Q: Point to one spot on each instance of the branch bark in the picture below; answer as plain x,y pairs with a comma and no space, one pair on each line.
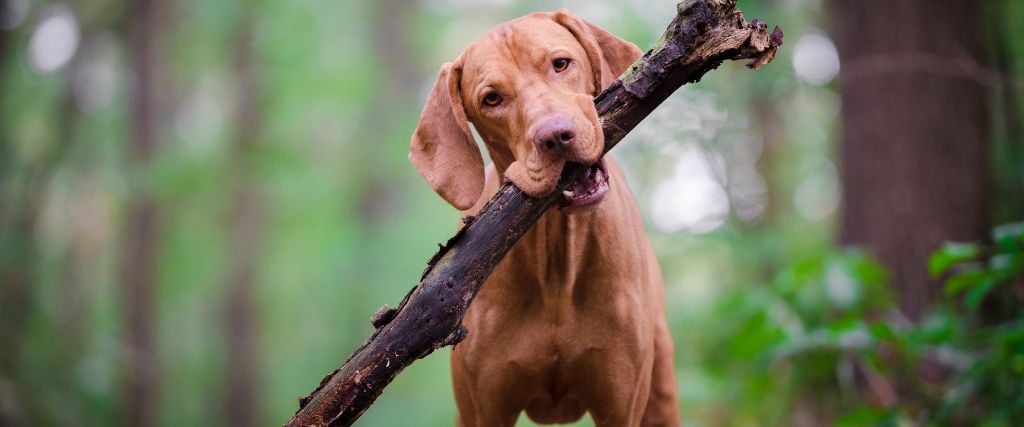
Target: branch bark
703,34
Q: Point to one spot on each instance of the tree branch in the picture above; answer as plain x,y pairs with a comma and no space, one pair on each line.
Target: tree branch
703,34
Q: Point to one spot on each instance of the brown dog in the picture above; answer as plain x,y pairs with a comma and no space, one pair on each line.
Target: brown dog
572,320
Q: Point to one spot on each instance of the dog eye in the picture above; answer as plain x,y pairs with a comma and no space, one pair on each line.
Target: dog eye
492,99
561,64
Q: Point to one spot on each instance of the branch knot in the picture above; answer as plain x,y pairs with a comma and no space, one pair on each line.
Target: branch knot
383,316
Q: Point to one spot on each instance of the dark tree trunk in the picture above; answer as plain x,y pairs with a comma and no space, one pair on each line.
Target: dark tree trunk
20,252
246,221
394,22
17,224
69,320
915,133
138,279
1009,158
140,397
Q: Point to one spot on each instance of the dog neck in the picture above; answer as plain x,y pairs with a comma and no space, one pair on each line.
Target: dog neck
500,155
560,247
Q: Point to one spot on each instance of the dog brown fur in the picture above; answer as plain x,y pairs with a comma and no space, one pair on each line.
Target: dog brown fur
572,320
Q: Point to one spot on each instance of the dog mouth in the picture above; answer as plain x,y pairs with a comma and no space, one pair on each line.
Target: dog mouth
587,191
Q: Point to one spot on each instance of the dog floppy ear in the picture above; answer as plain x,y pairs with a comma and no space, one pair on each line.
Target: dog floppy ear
609,55
442,147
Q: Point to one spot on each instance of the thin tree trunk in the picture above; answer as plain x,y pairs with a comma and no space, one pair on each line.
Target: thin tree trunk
1009,162
140,393
915,133
17,226
246,221
69,320
392,21
19,255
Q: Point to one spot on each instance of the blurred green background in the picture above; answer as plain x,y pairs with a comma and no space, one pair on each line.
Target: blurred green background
203,202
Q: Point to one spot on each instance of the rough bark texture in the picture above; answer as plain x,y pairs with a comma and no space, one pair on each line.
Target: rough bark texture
915,138
138,253
703,34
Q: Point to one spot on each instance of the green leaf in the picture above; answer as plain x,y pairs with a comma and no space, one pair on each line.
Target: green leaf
866,417
965,280
1006,266
1009,236
864,269
882,332
977,294
950,254
1017,364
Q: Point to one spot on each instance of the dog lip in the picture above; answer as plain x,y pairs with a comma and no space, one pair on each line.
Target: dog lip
588,191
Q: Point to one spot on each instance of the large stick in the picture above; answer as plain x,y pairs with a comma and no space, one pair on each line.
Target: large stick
703,34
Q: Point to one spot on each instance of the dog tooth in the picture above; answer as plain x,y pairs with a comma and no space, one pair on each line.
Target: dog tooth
568,193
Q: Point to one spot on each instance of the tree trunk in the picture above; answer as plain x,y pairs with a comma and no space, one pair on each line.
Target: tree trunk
915,133
17,250
246,223
1009,158
140,397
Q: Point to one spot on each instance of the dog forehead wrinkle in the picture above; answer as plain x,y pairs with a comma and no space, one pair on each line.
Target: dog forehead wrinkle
487,77
540,38
482,65
527,43
528,40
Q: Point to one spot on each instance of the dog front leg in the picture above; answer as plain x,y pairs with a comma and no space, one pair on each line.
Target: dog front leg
486,396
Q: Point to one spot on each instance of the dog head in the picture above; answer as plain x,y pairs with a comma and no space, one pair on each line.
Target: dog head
528,87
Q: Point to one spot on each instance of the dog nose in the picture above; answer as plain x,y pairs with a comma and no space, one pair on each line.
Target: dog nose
555,133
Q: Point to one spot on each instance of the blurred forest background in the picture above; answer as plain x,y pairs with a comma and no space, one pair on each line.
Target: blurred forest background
203,202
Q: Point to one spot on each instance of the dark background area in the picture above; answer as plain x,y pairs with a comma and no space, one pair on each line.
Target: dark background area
203,202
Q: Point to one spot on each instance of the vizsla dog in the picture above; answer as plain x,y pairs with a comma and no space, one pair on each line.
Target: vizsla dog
572,320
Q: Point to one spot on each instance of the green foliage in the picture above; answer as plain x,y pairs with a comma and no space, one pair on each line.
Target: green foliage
824,338
949,255
975,275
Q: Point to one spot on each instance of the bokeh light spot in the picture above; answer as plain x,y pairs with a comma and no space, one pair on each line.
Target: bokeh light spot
815,59
54,41
691,199
817,197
